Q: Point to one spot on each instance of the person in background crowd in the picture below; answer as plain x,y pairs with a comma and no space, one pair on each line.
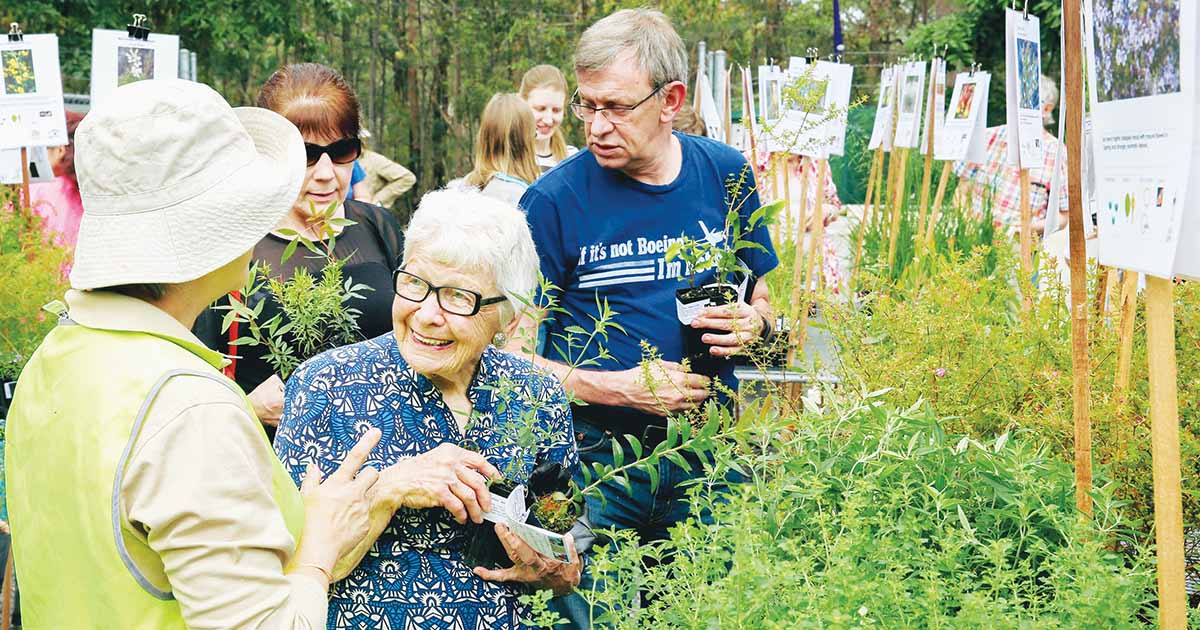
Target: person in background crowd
1004,181
436,383
58,202
317,100
143,492
386,180
504,153
638,182
545,89
358,186
688,121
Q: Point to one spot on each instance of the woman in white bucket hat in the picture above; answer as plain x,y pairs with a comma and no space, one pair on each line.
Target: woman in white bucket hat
146,493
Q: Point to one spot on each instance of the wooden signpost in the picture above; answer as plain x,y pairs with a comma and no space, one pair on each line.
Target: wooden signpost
868,212
26,200
1128,304
930,131
799,302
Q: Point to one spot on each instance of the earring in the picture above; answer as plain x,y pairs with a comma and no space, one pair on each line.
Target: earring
500,340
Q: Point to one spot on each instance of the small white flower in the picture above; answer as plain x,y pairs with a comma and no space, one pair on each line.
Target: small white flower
862,611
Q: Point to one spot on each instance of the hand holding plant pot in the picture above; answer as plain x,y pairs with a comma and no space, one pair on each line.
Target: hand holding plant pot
739,324
533,568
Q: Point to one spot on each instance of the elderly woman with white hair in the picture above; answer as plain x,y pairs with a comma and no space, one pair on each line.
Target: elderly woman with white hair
438,382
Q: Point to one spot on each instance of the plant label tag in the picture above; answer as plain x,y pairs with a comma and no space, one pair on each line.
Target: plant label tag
686,312
508,509
542,541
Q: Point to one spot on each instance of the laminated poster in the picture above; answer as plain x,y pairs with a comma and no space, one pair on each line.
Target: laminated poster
912,103
938,74
1023,71
40,169
770,107
1142,69
118,59
964,136
837,79
881,131
31,100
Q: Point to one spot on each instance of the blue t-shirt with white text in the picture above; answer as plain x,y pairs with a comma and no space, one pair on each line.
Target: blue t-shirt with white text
602,234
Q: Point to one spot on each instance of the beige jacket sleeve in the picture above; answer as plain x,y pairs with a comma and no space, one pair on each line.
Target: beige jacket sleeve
198,485
391,179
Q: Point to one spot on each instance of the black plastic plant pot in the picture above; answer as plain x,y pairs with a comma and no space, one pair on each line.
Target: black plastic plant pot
694,349
482,547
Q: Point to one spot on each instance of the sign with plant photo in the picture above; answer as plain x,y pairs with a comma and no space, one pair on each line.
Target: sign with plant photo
118,59
31,98
912,104
1023,71
964,134
938,79
1142,64
40,169
881,131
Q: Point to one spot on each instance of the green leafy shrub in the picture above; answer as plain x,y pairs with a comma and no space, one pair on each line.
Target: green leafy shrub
872,517
34,274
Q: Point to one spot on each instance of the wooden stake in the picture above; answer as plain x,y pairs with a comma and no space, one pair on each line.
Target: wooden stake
1026,243
936,213
1128,318
894,236
1110,286
1081,391
787,197
868,213
811,277
1164,442
1102,280
927,178
25,197
797,335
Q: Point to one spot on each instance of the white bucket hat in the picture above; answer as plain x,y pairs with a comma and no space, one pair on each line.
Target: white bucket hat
175,183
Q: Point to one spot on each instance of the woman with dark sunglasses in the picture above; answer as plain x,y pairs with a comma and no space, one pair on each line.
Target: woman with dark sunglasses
323,106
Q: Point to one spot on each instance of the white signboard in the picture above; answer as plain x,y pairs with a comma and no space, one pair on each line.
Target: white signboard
912,104
1142,68
118,59
938,79
881,132
837,78
1023,70
40,168
31,100
964,136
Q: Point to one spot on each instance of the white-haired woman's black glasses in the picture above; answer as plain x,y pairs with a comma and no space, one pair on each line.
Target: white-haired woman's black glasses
454,300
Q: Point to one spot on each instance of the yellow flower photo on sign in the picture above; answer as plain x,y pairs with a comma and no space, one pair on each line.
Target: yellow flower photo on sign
18,71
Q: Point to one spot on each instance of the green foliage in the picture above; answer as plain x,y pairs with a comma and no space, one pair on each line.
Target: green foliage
872,517
35,274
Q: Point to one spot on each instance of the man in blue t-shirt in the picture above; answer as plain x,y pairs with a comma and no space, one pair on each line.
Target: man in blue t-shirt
602,221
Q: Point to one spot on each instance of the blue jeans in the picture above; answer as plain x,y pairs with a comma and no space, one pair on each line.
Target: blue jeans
650,514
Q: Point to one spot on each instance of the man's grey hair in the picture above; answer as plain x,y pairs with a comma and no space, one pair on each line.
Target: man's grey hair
476,234
648,33
1049,93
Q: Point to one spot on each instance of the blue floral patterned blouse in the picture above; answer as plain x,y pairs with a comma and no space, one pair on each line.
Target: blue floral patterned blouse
414,577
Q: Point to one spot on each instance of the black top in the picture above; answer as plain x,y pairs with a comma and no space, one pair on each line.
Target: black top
371,248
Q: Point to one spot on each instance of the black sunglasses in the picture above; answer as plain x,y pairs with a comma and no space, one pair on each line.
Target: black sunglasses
342,151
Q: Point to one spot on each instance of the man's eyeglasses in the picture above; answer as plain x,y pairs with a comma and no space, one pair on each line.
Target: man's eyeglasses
455,300
617,114
342,151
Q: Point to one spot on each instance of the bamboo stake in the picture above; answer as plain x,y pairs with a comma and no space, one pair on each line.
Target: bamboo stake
797,335
814,249
25,197
896,203
1128,317
1110,286
927,178
1102,281
1164,436
868,213
1026,243
1081,391
936,213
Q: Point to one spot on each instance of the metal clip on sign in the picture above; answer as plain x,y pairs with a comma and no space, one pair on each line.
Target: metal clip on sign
138,30
14,33
1025,11
812,55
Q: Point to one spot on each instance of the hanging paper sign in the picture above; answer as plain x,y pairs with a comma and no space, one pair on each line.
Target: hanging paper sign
881,131
912,104
40,169
1142,68
964,134
118,59
770,107
838,79
31,99
938,79
1023,71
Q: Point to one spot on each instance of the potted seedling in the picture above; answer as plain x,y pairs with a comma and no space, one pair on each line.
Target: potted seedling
718,251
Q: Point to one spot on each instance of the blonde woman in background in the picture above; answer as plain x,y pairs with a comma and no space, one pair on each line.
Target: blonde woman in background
504,153
545,89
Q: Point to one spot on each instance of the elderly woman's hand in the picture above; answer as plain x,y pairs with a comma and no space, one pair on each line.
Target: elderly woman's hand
448,476
337,510
533,568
